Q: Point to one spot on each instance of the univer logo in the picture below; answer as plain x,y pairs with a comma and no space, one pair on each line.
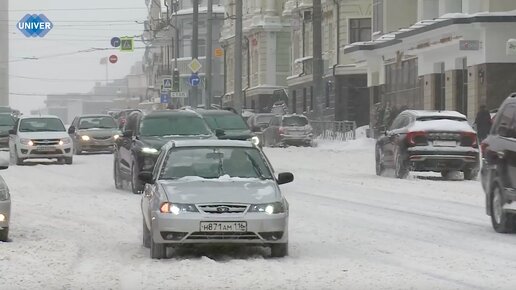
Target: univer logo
33,25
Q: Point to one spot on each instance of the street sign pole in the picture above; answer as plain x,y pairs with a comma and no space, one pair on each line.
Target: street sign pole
209,53
195,49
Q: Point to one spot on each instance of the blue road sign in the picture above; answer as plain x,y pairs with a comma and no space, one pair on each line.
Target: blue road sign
164,97
33,25
115,41
194,80
167,84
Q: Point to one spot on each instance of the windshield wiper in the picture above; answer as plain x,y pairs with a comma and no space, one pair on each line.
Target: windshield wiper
256,168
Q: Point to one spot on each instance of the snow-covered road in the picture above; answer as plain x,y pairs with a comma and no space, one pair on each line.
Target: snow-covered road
349,229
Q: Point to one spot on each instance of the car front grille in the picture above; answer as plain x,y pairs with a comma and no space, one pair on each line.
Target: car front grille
102,137
46,142
222,208
223,236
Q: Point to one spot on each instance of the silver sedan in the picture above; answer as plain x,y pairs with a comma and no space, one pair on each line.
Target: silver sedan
214,192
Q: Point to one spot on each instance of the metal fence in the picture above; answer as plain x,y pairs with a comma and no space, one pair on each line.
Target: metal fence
334,130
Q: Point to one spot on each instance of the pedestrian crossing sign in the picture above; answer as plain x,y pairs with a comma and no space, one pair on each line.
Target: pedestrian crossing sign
127,44
167,84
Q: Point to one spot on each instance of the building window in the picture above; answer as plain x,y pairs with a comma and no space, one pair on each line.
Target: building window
304,100
378,16
462,88
294,101
359,30
311,98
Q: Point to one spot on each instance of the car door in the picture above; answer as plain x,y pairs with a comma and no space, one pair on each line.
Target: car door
150,190
74,134
501,155
393,137
125,143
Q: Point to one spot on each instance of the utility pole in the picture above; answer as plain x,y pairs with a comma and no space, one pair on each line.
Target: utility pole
238,57
209,54
317,59
194,96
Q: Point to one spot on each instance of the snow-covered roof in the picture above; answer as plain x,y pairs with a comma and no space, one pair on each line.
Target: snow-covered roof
300,60
38,116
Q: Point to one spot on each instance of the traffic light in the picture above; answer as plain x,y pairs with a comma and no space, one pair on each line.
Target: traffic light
175,81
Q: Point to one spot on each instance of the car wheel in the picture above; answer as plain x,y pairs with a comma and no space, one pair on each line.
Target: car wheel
119,183
146,235
502,222
136,184
470,174
157,250
445,174
379,162
279,250
4,235
69,160
401,168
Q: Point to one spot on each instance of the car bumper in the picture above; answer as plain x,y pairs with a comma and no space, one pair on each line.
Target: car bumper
439,160
36,152
5,210
97,145
296,138
262,229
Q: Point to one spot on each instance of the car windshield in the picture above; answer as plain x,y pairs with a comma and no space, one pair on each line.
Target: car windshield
214,162
173,126
265,119
42,125
225,122
6,120
434,118
294,121
100,122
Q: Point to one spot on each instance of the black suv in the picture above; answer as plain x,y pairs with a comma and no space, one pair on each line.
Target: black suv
226,124
144,135
498,172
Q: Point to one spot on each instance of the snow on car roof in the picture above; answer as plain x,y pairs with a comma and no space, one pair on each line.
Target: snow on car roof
210,143
39,117
431,113
442,126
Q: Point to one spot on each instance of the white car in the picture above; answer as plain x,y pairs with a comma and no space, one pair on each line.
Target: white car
40,137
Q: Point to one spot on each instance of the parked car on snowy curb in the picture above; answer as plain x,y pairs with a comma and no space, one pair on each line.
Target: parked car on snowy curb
498,174
284,130
5,206
438,141
40,137
214,192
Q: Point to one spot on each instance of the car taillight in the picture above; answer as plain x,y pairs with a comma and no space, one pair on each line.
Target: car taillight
469,139
417,138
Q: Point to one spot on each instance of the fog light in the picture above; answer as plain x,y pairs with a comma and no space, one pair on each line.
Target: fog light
272,236
173,236
2,217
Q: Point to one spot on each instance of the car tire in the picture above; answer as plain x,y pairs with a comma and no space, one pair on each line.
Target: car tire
136,184
470,174
401,167
157,250
446,175
379,162
502,222
146,240
4,235
119,182
279,250
68,160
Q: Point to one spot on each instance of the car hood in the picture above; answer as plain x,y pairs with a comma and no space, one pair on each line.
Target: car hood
97,132
158,142
43,135
237,134
232,190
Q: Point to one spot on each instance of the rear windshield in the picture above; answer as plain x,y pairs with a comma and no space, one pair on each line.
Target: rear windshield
433,118
295,121
264,119
174,126
226,122
100,122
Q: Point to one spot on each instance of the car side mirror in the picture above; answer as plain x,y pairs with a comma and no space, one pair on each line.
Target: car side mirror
220,133
284,178
12,132
127,134
71,130
146,177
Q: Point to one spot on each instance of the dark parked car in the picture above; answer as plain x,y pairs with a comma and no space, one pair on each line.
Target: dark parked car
438,141
144,135
226,124
498,174
93,133
7,122
288,130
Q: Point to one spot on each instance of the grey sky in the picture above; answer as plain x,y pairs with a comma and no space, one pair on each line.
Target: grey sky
69,37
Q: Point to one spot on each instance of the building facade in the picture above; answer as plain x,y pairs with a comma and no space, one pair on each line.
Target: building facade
168,36
4,54
266,53
454,57
345,90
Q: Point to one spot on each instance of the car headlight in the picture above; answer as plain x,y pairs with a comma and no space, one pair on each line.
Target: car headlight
116,136
65,141
4,194
26,142
148,150
85,138
177,208
268,208
255,140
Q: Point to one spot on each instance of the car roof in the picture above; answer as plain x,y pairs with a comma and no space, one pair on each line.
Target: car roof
94,115
435,113
215,112
172,113
39,117
209,143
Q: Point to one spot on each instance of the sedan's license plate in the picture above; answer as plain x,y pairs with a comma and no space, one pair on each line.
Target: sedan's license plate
445,143
46,148
223,227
